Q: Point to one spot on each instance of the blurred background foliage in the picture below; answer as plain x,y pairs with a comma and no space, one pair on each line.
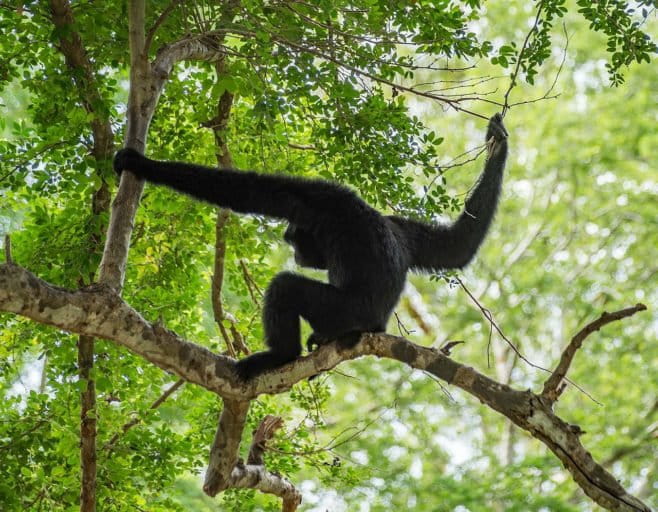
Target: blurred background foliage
576,234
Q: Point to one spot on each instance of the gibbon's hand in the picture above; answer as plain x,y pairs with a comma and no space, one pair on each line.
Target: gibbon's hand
496,133
127,159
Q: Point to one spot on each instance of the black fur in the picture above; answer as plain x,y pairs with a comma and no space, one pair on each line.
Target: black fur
367,255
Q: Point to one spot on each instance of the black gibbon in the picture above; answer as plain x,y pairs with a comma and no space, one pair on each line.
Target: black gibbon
367,254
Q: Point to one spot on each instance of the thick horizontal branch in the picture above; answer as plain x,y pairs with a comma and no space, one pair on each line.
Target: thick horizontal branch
101,313
98,311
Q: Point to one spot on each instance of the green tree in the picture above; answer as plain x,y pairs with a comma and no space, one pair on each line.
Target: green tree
347,91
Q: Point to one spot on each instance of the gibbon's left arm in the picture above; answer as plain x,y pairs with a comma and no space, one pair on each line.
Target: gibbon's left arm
303,202
440,247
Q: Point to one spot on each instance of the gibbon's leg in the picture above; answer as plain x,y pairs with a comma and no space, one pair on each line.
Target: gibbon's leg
289,297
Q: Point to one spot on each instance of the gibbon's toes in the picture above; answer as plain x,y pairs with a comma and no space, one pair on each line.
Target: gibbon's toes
123,159
261,362
315,341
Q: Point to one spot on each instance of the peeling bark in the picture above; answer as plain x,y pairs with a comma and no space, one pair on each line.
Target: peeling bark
261,436
256,477
226,471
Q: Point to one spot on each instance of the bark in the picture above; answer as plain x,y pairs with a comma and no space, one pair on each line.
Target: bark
87,425
265,431
257,477
219,125
70,45
113,265
225,470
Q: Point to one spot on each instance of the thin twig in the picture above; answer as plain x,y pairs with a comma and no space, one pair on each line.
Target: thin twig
516,350
454,103
32,429
547,95
302,147
130,424
514,75
252,287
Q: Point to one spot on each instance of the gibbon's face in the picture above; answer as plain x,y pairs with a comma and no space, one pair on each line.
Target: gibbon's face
307,252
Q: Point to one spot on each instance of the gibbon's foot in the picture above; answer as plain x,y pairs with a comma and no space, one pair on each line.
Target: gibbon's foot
496,129
260,362
315,341
347,340
344,341
124,158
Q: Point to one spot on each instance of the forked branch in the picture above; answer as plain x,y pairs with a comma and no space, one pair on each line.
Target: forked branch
227,471
552,387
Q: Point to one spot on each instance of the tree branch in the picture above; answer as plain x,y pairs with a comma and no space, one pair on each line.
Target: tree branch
257,477
226,471
70,44
224,450
96,311
109,446
219,125
163,16
8,258
202,48
519,59
262,435
552,389
142,99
